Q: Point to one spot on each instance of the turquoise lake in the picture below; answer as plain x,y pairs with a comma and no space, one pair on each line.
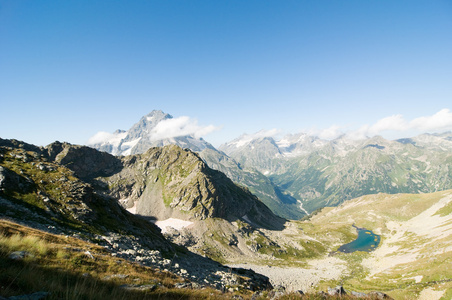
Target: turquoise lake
366,241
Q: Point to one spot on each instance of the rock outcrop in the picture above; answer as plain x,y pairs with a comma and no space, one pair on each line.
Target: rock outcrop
173,182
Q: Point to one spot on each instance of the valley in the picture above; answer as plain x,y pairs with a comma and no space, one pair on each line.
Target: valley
412,259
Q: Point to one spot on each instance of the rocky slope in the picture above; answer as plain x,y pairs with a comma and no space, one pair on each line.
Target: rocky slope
282,204
173,185
172,182
53,189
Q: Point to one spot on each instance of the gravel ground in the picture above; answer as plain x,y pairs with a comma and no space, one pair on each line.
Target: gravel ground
294,279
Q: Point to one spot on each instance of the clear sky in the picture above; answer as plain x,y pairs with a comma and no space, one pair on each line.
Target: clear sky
69,69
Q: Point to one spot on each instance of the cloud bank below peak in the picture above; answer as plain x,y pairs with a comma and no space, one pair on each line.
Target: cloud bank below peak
391,125
180,126
104,137
440,121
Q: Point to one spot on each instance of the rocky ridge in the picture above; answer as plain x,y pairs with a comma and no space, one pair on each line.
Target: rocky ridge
171,183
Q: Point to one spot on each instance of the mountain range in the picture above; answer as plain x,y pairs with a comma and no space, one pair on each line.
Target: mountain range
300,173
186,211
319,173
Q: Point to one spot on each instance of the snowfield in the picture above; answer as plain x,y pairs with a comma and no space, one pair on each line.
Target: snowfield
177,224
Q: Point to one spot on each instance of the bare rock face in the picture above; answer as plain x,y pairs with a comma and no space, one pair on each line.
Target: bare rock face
10,180
86,162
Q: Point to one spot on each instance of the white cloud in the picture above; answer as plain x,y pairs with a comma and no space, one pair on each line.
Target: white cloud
441,121
264,133
246,138
330,133
395,122
105,137
180,126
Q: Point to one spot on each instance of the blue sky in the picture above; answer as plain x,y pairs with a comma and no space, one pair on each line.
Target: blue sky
69,69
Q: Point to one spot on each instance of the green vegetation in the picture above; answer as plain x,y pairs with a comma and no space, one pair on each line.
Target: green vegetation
445,210
312,249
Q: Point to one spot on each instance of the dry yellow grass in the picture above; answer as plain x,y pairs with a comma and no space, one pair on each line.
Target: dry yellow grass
59,265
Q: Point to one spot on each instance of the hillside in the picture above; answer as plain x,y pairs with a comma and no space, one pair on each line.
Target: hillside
54,189
260,185
62,267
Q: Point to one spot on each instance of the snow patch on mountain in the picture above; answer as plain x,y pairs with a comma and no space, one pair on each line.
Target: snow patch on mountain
127,146
178,224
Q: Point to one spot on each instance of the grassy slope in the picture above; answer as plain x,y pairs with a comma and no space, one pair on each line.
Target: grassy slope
59,265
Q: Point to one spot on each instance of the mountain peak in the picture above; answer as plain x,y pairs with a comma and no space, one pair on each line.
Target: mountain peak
155,129
156,115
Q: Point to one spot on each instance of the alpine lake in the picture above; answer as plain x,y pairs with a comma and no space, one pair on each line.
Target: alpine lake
366,241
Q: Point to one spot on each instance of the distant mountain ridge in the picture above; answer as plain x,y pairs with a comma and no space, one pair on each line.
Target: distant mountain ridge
320,173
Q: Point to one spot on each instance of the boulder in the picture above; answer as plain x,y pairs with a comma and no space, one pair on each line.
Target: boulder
337,291
34,296
19,255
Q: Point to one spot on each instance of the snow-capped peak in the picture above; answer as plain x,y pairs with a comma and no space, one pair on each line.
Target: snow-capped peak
154,129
